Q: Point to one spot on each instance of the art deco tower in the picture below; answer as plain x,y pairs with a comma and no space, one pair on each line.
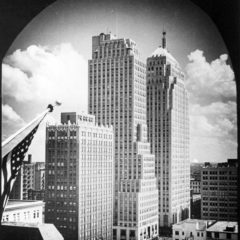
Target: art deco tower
168,125
117,96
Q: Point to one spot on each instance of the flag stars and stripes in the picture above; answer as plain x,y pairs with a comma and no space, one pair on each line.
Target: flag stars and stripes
14,155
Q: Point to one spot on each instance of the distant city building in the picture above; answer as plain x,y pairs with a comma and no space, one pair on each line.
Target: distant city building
191,229
195,185
79,177
195,205
168,125
24,211
219,191
31,176
36,194
117,96
195,169
222,230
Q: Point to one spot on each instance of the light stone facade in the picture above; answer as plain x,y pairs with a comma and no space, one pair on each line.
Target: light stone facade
117,96
79,177
168,134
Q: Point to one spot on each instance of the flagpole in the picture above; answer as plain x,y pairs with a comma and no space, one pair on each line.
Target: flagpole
8,146
38,118
23,128
42,115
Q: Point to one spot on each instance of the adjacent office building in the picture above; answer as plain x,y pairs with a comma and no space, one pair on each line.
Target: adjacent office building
117,96
168,133
219,191
79,177
36,194
31,176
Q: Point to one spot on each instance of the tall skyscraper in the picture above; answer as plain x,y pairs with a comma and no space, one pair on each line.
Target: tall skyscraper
168,133
79,177
219,189
117,96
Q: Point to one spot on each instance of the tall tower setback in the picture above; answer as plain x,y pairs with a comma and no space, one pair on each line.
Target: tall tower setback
168,134
117,96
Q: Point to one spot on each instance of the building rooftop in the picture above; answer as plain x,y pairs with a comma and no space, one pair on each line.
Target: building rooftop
224,226
34,231
229,163
22,203
199,224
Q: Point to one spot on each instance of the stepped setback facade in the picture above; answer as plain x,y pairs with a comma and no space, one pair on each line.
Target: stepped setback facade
117,96
168,134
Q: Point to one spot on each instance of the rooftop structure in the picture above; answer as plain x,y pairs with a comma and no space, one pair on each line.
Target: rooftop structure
191,229
33,231
223,230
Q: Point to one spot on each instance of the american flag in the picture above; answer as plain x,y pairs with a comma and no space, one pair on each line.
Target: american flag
14,150
11,164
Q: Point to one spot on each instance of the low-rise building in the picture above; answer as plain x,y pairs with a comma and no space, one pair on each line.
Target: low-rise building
23,211
190,229
223,230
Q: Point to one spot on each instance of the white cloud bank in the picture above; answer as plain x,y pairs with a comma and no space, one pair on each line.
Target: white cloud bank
8,114
33,78
44,74
209,82
213,118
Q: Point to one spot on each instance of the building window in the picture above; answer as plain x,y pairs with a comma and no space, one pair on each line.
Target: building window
216,234
176,232
229,236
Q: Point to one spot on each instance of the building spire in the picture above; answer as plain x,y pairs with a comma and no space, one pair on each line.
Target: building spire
164,41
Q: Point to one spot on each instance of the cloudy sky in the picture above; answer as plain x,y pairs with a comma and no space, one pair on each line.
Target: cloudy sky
48,61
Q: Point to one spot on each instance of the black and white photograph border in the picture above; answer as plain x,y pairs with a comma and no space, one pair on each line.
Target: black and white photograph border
34,47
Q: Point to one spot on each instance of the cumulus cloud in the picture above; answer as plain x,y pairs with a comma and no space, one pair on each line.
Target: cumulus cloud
8,114
216,120
213,118
44,74
208,82
34,77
